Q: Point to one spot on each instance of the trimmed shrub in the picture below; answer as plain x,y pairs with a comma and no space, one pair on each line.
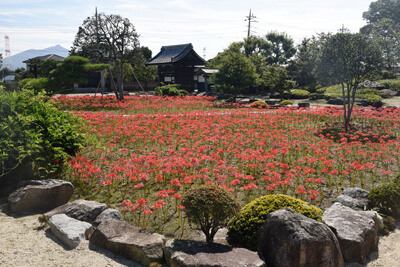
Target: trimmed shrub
209,207
244,228
170,90
386,198
286,103
259,104
300,94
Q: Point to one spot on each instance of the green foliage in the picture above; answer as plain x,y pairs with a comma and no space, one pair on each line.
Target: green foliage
389,224
392,84
243,229
371,95
300,94
348,59
171,89
386,198
286,103
259,104
236,73
33,131
209,207
35,84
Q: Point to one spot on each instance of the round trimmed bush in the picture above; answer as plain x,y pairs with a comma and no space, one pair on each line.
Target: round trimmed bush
300,94
286,103
209,207
244,228
259,104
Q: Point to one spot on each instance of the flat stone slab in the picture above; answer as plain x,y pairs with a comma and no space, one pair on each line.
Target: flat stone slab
70,231
40,196
106,215
83,210
357,231
129,241
354,197
189,253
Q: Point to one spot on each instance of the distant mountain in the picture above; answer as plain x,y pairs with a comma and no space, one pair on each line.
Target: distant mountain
16,60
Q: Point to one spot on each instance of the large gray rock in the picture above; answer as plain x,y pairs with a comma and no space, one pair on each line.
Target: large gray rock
108,214
189,253
290,239
40,197
83,210
70,231
357,231
354,197
129,242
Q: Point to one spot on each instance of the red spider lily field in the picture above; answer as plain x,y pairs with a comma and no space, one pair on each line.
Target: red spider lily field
143,153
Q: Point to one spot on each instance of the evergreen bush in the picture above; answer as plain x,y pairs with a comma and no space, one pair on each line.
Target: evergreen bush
244,228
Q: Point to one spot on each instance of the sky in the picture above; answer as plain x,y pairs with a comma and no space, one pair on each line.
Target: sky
210,25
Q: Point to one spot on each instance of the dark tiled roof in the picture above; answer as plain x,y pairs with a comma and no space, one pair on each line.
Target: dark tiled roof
174,53
43,58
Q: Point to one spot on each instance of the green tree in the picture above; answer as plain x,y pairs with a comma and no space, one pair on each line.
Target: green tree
72,71
280,48
107,39
4,72
304,63
47,66
381,9
236,73
348,59
209,207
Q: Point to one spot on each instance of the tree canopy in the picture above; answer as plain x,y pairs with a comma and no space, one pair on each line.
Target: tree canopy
107,39
348,59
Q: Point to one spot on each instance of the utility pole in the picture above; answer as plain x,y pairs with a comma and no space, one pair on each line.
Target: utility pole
249,18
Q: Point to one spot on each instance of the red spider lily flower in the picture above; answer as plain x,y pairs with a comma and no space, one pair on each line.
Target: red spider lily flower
141,202
181,207
235,182
107,183
138,186
162,194
301,190
177,196
176,182
147,212
250,186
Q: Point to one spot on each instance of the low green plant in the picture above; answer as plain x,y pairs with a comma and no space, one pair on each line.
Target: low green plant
300,94
170,90
209,207
244,228
35,134
393,84
259,104
389,224
286,103
386,198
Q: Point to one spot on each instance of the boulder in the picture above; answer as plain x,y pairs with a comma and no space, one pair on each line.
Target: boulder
40,197
83,210
289,238
106,215
68,230
357,231
354,197
129,242
190,253
388,92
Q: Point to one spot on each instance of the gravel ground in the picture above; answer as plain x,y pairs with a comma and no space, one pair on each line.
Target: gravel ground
23,242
